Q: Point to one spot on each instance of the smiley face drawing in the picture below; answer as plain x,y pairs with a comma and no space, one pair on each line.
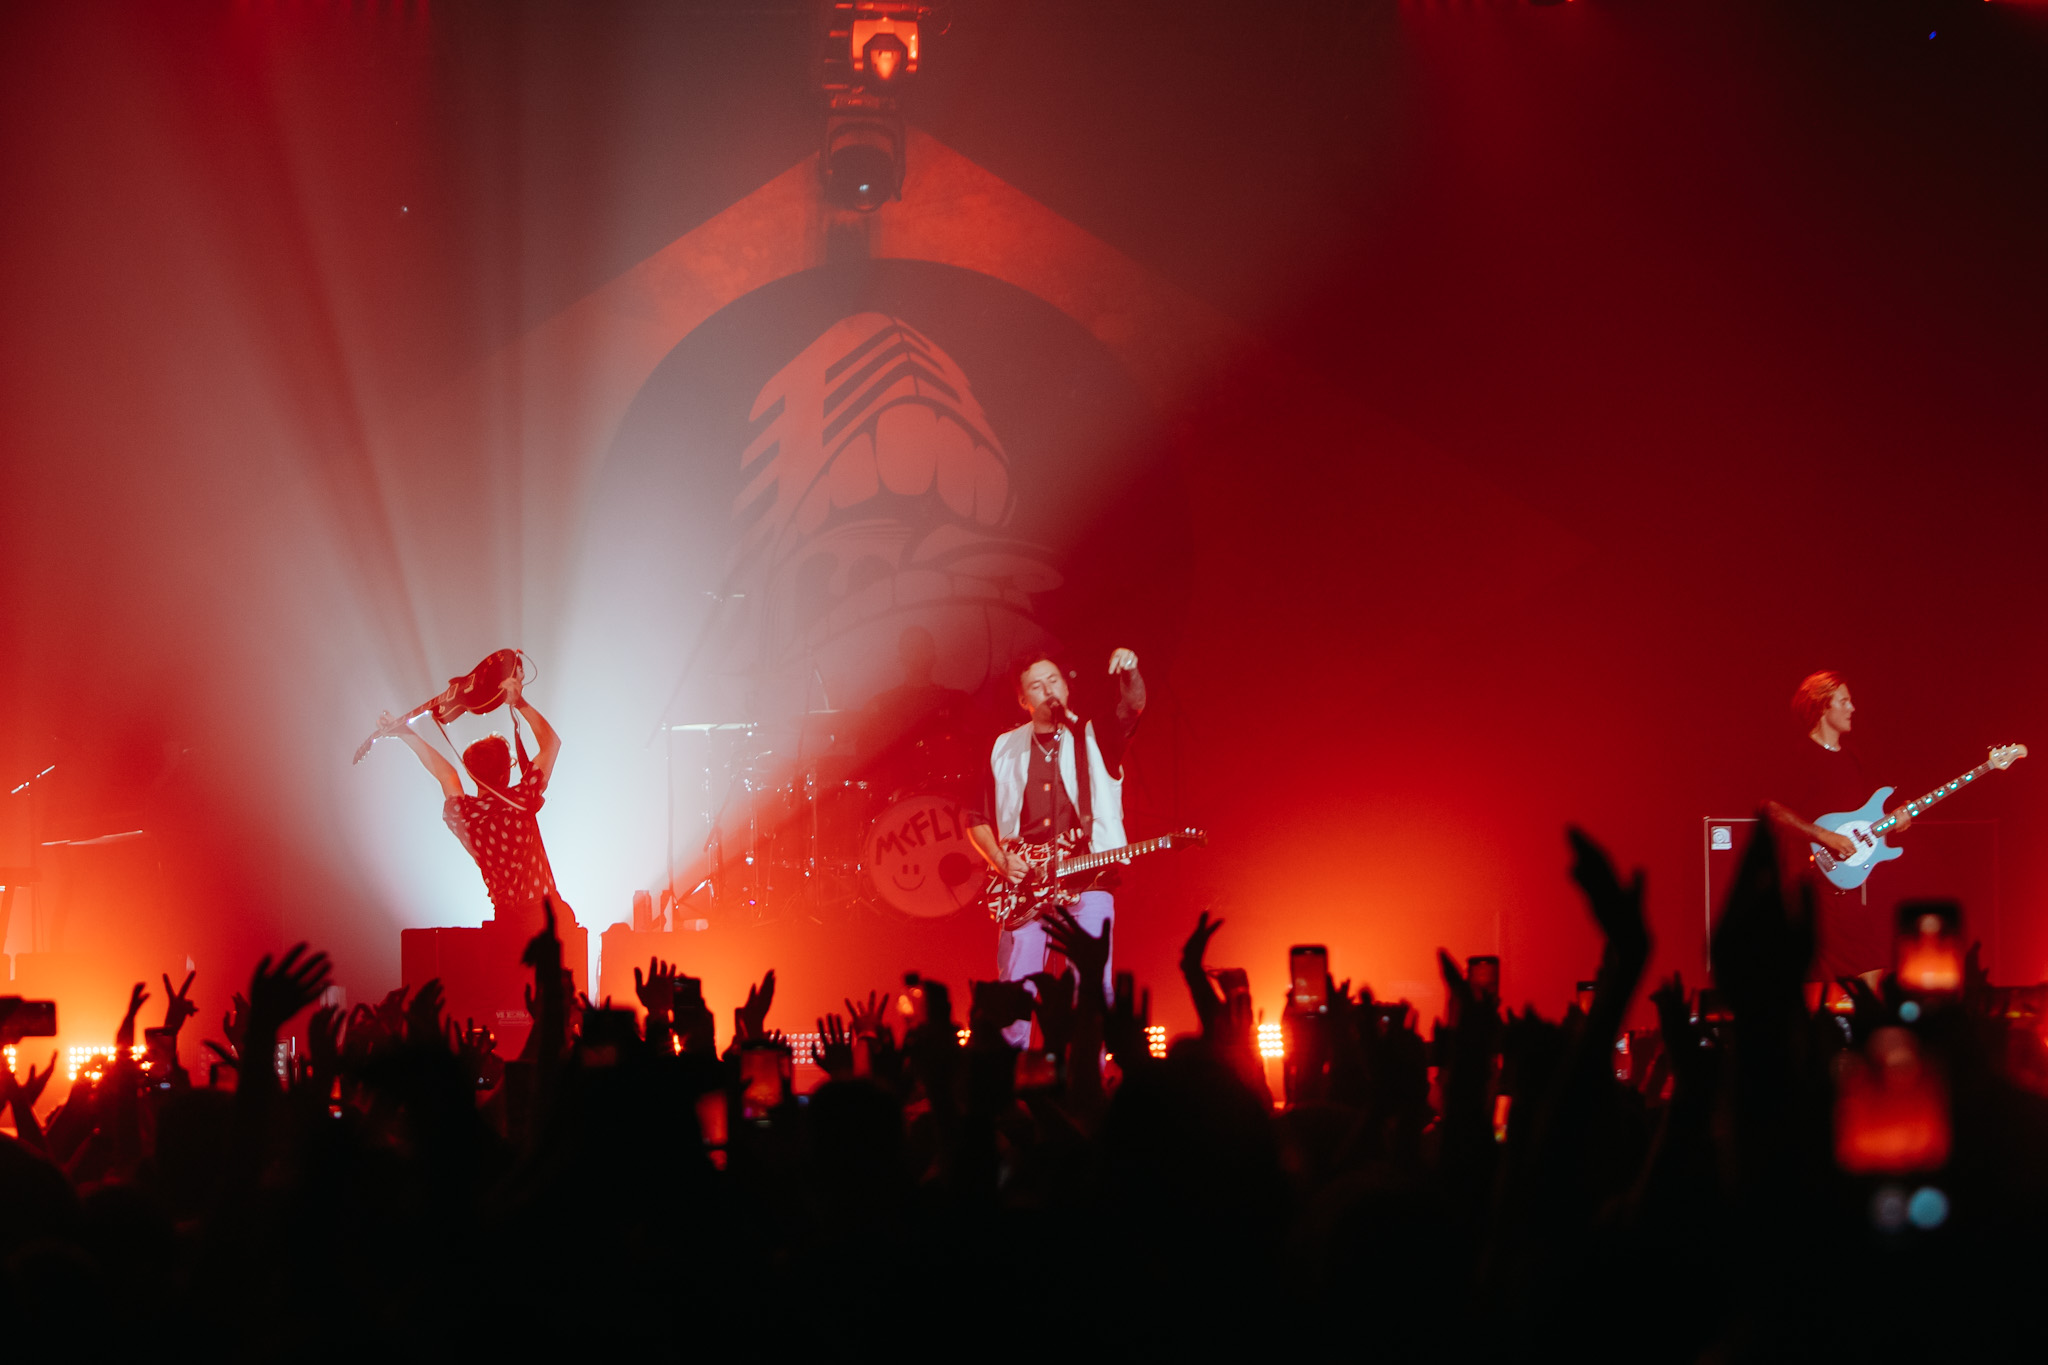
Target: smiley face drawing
920,860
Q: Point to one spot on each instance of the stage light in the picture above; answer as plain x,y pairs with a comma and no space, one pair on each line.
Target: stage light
884,51
1272,1045
863,161
93,1061
1155,1040
884,58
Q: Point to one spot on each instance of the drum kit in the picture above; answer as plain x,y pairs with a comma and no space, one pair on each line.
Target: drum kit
800,818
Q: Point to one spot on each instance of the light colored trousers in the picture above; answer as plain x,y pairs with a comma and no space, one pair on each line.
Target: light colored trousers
1021,952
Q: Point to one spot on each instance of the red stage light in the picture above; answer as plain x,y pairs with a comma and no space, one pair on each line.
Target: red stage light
884,50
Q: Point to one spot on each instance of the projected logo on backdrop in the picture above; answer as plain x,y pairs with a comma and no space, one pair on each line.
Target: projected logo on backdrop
876,492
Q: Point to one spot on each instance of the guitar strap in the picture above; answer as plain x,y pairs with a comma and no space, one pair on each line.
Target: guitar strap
498,792
1084,784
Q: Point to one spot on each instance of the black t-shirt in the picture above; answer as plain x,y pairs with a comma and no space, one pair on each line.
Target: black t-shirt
1854,929
1820,781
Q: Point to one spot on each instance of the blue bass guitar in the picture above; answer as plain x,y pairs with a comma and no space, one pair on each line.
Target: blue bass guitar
1867,827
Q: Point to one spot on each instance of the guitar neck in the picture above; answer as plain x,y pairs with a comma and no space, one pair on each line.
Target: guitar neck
1088,862
1919,805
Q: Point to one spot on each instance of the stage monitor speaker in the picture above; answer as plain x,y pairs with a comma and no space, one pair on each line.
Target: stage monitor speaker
481,976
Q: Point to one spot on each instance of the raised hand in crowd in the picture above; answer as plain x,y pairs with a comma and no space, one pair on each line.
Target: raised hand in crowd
1086,1034
656,991
548,1003
324,1048
21,1096
276,993
124,1036
1088,952
389,1013
749,1020
227,1049
867,1018
178,1006
694,1023
423,1015
477,1050
1054,1006
1209,1004
1127,1030
833,1050
1683,1050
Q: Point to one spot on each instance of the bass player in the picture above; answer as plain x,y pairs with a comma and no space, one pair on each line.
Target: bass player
1826,774
1056,777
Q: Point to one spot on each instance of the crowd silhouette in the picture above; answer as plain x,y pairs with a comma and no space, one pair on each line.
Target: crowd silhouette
1770,1182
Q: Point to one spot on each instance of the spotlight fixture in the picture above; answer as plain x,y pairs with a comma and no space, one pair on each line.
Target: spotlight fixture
863,161
883,51
870,47
869,54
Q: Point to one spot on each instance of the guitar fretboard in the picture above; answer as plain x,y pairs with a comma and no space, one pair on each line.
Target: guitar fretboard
1946,789
1088,862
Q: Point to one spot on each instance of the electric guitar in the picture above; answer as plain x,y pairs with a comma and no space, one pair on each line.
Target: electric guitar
477,691
1050,869
1867,827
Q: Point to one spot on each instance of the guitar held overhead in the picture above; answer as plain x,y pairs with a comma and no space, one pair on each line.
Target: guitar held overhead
1052,876
475,692
1866,826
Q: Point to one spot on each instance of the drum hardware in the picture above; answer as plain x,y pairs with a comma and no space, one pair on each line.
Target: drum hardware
794,822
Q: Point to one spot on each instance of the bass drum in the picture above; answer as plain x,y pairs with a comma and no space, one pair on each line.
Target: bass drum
919,860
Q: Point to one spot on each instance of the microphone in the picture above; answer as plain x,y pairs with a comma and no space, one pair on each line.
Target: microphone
1060,714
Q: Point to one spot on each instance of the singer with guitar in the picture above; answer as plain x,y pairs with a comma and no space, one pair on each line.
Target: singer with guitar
1057,780
499,825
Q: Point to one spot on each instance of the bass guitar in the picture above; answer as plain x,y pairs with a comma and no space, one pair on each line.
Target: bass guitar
475,692
1867,826
1049,880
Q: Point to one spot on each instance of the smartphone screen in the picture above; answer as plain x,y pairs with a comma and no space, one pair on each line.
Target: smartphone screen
712,1122
1037,1070
1927,953
1891,1108
21,1018
764,1079
1308,971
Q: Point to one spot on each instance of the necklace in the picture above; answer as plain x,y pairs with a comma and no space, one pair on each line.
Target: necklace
1047,752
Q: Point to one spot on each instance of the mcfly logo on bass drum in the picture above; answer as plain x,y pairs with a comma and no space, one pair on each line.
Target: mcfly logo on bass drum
919,858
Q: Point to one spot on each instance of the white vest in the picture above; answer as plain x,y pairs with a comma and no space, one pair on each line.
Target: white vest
1011,761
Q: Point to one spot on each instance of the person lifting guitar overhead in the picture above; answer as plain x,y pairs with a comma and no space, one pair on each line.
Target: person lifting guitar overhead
499,825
